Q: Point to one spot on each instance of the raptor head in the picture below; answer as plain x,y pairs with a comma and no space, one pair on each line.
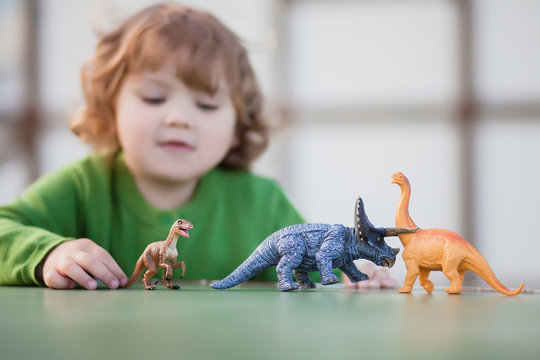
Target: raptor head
371,239
181,227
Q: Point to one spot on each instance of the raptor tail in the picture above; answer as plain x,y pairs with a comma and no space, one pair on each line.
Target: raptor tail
263,257
139,268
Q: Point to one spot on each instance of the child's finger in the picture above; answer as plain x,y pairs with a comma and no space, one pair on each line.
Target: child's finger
55,280
111,264
74,271
104,257
93,265
347,282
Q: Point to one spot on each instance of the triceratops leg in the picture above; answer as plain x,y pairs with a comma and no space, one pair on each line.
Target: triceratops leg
353,273
303,280
284,270
324,257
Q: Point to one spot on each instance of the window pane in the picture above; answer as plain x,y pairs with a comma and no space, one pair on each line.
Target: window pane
371,52
12,42
508,51
508,196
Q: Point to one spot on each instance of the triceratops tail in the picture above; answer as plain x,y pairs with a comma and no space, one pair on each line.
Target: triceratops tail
263,257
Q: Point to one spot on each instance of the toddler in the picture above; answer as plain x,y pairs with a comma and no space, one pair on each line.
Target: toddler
173,113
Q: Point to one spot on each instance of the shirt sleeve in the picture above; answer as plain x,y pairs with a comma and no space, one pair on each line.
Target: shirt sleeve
33,224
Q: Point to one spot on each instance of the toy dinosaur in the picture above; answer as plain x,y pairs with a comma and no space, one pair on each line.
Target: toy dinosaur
161,254
317,247
429,250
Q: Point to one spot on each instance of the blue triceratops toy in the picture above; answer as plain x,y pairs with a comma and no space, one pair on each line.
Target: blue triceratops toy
318,247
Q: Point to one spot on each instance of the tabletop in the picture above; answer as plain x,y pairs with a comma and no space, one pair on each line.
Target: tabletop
261,322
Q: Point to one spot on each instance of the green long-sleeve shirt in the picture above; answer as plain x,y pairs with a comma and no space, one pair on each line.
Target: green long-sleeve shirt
232,212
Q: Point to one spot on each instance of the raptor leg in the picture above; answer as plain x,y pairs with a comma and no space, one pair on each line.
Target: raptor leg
353,273
167,274
423,275
303,280
175,265
151,271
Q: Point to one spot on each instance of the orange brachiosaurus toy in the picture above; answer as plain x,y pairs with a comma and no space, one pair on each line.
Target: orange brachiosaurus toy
429,250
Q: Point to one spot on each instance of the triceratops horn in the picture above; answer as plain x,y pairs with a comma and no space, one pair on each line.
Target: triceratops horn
397,231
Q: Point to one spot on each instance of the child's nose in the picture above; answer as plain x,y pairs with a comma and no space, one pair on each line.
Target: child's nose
175,119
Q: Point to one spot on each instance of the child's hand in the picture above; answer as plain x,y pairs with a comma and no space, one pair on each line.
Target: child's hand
379,278
77,261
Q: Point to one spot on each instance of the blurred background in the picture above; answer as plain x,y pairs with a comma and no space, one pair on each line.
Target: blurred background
446,91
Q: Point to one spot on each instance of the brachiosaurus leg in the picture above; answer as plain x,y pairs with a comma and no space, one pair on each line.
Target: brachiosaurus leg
449,269
410,278
462,274
302,277
423,276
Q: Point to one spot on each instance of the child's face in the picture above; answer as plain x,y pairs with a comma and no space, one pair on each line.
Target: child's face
169,132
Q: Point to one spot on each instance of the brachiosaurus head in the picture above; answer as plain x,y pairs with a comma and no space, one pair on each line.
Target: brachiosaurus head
400,179
371,238
181,227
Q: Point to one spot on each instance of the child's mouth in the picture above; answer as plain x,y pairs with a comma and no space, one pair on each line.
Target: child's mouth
176,145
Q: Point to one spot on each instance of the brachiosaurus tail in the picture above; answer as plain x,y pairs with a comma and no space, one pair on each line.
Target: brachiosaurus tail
264,256
139,268
477,264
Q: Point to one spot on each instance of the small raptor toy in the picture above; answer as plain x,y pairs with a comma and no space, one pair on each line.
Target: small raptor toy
438,250
317,247
161,254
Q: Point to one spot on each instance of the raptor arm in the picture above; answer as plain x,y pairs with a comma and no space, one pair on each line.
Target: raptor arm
353,273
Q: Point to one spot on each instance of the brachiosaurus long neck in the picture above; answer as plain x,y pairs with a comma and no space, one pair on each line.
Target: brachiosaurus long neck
172,238
403,220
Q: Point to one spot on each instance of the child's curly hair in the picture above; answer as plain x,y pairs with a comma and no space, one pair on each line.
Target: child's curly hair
202,49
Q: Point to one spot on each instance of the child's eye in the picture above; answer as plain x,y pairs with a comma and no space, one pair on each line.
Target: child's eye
207,106
153,100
